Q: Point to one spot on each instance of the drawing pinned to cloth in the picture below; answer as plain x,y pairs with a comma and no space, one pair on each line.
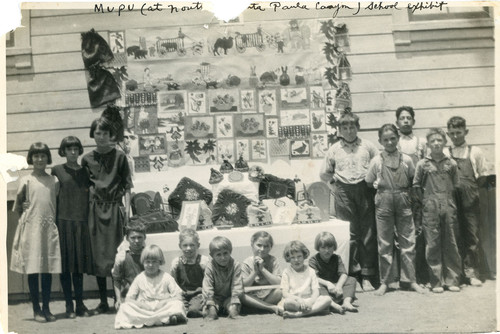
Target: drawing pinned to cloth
101,84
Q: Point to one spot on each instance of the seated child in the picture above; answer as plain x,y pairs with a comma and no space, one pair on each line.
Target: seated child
153,298
261,269
299,285
188,270
332,275
128,262
222,286
436,177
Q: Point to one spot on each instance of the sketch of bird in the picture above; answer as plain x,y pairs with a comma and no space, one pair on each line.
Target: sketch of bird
301,149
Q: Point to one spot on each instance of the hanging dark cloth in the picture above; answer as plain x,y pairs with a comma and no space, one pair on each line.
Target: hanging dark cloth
101,84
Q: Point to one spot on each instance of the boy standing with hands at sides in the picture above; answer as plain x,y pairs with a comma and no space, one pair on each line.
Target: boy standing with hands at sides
471,165
391,173
128,263
188,271
436,177
344,170
222,284
416,148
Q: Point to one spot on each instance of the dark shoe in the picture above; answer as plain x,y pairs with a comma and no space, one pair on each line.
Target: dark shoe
82,311
100,309
39,316
70,315
49,316
70,312
173,320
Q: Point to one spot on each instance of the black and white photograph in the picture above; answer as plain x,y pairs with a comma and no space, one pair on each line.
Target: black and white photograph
361,133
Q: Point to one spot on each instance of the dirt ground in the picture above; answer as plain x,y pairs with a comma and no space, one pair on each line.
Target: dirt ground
471,310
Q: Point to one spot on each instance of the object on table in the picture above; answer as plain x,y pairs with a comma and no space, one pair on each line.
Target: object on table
256,174
188,190
258,215
215,176
241,165
283,210
231,207
320,195
226,167
195,215
274,187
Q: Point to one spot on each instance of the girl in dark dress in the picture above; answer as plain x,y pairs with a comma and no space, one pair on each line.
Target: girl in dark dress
72,223
109,199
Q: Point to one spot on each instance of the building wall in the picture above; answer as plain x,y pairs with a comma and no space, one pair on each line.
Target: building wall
440,73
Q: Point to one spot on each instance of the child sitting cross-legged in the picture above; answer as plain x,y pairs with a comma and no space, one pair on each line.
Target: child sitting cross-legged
299,285
222,285
188,271
260,270
153,298
332,275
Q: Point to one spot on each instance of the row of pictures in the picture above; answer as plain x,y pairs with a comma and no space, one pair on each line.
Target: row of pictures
146,120
158,155
267,101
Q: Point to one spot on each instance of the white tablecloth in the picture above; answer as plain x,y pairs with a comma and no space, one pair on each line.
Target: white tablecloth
240,238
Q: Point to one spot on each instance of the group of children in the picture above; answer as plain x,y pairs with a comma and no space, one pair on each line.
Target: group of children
423,220
198,286
72,223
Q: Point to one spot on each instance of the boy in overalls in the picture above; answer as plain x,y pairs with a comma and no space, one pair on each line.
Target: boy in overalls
415,147
391,173
436,177
471,165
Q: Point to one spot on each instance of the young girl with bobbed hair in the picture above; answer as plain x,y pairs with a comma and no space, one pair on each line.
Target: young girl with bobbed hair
72,223
299,285
36,241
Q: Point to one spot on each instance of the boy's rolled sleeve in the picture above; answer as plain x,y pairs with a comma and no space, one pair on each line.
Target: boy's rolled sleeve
208,286
237,286
328,168
419,172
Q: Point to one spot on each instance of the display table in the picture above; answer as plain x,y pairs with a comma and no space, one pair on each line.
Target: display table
240,238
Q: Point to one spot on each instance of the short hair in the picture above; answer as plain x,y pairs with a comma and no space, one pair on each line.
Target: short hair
135,225
456,122
69,141
349,118
325,239
264,235
435,131
405,108
103,124
189,233
37,148
152,252
295,246
387,127
220,243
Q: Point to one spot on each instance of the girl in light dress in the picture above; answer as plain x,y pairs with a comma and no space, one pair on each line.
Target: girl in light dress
36,242
154,298
299,285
